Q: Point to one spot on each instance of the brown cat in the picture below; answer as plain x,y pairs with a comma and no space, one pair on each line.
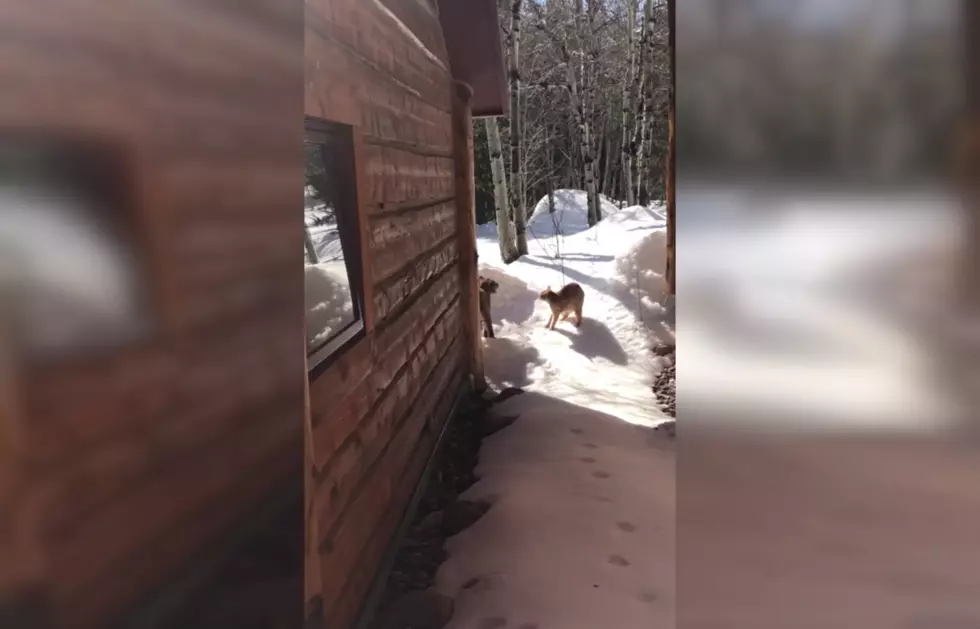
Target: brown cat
563,303
487,287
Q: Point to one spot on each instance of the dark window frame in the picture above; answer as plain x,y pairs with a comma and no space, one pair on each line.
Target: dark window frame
329,134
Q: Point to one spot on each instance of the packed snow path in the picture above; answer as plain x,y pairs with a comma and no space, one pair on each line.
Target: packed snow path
581,530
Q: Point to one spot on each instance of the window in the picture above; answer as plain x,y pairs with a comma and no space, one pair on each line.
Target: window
334,299
72,280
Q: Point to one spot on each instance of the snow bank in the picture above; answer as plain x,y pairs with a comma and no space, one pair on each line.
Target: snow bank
570,215
642,268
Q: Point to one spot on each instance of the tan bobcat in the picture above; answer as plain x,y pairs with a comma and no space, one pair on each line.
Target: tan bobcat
487,287
563,303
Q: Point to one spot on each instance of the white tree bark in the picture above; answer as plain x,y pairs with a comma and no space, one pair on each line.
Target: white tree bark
516,161
644,129
628,102
505,233
581,95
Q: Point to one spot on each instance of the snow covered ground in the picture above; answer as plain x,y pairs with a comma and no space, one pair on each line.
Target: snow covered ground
606,365
581,531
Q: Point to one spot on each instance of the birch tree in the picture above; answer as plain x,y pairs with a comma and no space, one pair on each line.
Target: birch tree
628,95
508,252
589,64
516,162
574,94
641,134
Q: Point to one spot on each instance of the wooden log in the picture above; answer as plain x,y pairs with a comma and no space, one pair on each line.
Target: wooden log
466,230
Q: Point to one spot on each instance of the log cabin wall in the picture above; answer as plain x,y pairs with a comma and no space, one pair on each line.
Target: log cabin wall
376,410
133,460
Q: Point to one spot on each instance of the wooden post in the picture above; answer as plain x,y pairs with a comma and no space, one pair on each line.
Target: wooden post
311,580
671,270
968,159
466,229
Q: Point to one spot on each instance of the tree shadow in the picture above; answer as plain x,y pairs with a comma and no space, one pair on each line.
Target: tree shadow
595,340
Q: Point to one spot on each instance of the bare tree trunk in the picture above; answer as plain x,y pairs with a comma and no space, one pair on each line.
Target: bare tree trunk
575,164
516,163
608,168
585,99
508,252
643,130
550,173
628,96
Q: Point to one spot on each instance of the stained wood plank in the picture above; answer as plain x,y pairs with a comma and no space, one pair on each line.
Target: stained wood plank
237,53
422,22
343,548
362,575
336,90
149,418
348,604
383,357
328,390
201,94
383,50
394,176
349,467
399,238
128,583
230,190
414,273
100,551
